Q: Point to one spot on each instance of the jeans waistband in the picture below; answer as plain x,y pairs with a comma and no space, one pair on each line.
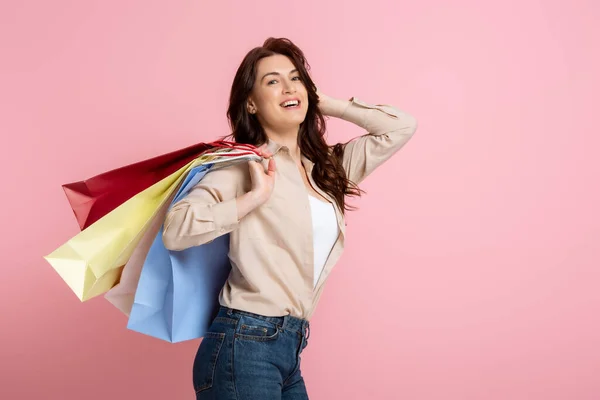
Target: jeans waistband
286,322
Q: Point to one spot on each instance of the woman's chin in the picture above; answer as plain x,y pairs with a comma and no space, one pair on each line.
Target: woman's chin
291,121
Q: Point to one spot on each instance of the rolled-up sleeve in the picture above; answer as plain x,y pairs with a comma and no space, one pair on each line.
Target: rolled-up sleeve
389,129
207,212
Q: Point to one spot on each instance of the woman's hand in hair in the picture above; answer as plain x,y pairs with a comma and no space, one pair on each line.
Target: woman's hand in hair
323,99
330,106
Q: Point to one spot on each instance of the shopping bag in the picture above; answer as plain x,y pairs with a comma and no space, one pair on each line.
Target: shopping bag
122,295
95,197
92,261
177,293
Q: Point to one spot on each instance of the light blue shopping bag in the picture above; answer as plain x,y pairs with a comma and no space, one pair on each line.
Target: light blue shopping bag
177,294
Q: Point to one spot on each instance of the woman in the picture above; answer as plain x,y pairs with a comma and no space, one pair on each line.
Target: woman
285,218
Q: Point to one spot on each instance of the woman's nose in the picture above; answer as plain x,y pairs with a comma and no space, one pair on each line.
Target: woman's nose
289,87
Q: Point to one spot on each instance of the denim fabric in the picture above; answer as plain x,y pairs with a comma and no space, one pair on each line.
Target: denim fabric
246,356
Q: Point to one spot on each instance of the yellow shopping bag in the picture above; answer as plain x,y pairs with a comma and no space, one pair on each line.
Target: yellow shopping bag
91,262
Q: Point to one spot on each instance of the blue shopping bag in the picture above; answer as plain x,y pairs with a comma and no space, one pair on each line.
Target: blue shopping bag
177,294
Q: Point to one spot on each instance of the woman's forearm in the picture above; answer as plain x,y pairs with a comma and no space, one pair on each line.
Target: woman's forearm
246,203
376,119
333,107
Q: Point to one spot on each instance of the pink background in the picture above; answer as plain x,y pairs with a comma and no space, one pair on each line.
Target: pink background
472,268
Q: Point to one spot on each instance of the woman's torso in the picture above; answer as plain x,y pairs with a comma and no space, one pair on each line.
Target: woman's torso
272,250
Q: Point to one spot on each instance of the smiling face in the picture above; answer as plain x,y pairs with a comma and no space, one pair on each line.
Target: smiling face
278,98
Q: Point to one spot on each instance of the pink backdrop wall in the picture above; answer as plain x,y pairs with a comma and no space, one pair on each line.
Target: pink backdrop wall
472,275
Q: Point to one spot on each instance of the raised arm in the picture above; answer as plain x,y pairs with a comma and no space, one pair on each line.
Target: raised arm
388,130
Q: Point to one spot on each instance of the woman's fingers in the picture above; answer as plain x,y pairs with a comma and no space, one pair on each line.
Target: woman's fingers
271,167
264,151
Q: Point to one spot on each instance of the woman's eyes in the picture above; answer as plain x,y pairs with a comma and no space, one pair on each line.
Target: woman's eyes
296,78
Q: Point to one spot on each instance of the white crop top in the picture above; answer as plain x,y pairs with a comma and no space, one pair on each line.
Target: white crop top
325,232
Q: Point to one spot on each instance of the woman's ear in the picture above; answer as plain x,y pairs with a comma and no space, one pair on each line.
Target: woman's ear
251,106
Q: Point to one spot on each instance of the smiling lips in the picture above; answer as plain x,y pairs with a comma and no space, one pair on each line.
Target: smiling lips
291,104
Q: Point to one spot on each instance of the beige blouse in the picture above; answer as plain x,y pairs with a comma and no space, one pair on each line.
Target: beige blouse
271,248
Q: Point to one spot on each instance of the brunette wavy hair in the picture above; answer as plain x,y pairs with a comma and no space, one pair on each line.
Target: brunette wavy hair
328,172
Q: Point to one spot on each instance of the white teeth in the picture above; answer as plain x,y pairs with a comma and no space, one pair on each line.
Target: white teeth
290,103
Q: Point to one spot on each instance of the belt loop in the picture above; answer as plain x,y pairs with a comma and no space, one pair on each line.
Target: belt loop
229,311
285,322
307,330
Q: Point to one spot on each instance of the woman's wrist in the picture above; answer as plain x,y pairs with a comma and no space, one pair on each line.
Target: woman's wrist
332,107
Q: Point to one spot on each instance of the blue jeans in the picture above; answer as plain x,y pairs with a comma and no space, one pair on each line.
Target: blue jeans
246,356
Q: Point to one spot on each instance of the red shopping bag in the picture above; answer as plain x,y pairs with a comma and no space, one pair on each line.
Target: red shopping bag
95,197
